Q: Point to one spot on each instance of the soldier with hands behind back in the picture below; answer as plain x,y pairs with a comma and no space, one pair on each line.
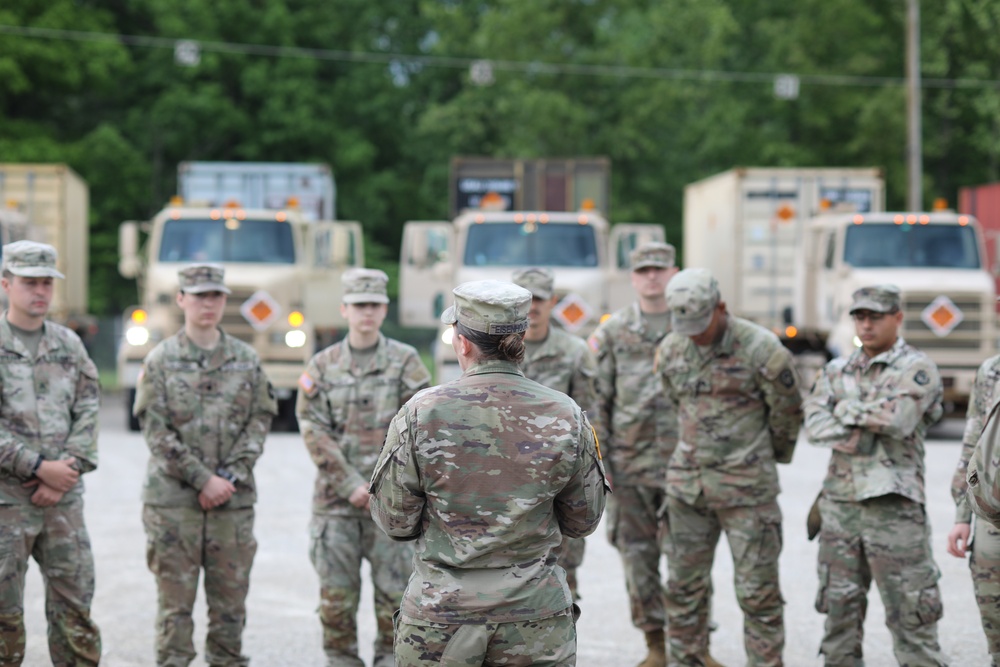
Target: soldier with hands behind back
872,409
638,430
488,474
347,396
48,439
562,362
205,407
734,388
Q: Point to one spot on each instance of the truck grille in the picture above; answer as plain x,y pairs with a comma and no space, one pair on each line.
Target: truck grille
966,336
232,319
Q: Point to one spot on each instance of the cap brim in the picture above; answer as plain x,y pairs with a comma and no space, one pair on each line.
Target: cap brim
449,315
873,306
646,265
691,327
365,298
35,272
207,287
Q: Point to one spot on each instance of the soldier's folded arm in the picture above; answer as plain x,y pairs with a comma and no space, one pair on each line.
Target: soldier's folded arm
16,458
604,384
580,504
249,444
81,443
165,445
822,425
974,419
898,415
322,440
397,500
415,378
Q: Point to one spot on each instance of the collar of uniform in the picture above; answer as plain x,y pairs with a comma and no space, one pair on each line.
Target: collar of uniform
217,356
11,343
859,360
493,366
379,362
724,347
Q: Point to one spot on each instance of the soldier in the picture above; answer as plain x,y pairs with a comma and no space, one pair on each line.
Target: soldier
639,433
488,473
985,548
205,407
734,388
348,394
873,409
562,362
48,438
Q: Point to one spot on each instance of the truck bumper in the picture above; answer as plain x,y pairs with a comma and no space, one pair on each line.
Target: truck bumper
284,376
957,384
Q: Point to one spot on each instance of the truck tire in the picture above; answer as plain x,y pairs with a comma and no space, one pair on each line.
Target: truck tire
133,421
285,421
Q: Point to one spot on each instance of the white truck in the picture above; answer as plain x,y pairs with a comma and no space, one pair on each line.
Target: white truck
51,203
588,255
790,246
283,264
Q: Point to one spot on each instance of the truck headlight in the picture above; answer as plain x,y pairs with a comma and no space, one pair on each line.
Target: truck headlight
295,338
448,335
137,336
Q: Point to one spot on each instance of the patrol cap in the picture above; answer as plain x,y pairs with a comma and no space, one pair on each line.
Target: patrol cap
692,296
540,282
31,260
876,298
365,286
199,278
490,306
654,253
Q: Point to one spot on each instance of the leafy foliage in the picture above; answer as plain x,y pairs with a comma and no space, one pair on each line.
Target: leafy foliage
649,84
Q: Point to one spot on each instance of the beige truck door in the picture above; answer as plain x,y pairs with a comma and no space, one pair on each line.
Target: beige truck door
623,239
426,272
331,248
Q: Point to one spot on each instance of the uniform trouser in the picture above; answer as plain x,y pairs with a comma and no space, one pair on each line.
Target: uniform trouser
886,539
634,530
754,535
985,566
338,543
57,539
545,642
570,557
180,542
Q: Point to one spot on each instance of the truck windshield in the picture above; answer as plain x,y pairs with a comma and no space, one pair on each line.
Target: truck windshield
253,241
512,244
875,245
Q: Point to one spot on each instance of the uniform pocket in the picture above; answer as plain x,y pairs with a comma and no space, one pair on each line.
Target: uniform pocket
921,606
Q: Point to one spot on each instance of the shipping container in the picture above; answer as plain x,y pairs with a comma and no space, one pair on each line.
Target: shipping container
983,202
550,184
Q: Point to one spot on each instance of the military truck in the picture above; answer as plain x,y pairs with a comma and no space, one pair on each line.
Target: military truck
557,224
51,203
790,246
283,265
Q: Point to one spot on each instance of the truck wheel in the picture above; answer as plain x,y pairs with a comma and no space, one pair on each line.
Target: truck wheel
133,421
285,421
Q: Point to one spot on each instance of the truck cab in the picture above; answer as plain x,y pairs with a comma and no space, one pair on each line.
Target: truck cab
282,268
936,259
588,256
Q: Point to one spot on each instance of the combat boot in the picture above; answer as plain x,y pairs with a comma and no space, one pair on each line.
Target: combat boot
656,642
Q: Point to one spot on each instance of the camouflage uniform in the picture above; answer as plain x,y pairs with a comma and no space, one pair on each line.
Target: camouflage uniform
48,409
203,413
344,411
562,362
740,410
487,473
873,413
638,432
985,559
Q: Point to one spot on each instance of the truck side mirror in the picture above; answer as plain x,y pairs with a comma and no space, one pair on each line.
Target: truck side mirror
129,264
786,315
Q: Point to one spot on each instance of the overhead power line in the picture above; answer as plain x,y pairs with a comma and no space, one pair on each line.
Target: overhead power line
528,67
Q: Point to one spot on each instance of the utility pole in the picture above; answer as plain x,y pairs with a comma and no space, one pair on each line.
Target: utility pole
914,146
